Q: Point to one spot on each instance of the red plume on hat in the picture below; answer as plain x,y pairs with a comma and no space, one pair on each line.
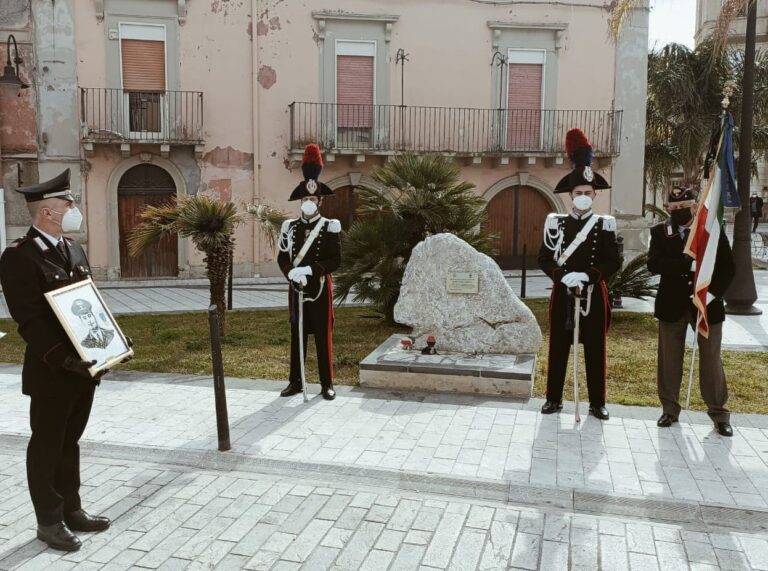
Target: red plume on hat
312,162
577,148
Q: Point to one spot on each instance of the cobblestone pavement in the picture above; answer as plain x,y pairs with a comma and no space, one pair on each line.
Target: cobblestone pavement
502,443
174,517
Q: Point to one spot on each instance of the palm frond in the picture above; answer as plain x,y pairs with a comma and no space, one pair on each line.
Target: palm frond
658,212
411,198
268,221
155,223
634,280
730,10
620,14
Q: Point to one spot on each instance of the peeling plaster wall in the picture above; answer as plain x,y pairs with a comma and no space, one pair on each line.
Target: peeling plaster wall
18,118
58,107
449,44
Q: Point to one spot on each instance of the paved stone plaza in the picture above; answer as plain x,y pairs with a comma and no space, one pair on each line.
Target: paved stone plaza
375,480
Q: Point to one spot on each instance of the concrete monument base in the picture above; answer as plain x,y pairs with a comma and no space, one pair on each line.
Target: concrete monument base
391,367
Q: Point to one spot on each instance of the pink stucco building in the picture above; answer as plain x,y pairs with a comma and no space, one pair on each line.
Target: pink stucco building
146,99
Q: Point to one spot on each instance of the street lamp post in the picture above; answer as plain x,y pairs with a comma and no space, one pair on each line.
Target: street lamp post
502,63
400,60
11,76
742,294
10,79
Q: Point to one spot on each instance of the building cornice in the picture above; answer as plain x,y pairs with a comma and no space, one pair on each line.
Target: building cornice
328,15
323,16
498,26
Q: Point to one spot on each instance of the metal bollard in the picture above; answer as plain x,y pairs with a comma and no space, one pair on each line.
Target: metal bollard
524,275
617,302
231,274
220,396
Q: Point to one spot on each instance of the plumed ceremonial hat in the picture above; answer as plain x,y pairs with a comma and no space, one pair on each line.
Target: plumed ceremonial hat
311,167
57,187
579,151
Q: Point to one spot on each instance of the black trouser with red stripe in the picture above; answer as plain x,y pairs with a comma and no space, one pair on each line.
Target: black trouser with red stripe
318,320
592,331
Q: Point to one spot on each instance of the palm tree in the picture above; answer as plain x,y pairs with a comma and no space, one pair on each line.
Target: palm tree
209,223
412,197
684,105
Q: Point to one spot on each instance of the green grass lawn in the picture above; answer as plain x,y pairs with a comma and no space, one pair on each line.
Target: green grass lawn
257,345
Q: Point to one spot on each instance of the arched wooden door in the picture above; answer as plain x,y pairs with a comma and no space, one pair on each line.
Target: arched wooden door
516,215
141,186
341,206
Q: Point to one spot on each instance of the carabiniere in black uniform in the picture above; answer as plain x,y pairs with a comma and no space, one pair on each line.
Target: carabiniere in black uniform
56,380
597,257
321,258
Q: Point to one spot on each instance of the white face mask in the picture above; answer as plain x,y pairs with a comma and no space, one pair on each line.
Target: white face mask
71,220
308,208
582,202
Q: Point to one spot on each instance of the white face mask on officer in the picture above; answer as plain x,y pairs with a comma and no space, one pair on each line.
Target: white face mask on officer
308,208
71,220
582,202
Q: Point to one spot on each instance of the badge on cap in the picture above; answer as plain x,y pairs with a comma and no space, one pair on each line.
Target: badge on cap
589,176
311,186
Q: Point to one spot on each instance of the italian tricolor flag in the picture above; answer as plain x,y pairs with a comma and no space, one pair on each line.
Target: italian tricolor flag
708,223
702,246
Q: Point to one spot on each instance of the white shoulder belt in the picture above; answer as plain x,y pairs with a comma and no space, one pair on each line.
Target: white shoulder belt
578,240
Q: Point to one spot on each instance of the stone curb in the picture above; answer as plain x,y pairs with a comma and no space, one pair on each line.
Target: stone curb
700,515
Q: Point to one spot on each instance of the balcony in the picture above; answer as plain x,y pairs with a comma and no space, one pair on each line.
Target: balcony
503,133
116,116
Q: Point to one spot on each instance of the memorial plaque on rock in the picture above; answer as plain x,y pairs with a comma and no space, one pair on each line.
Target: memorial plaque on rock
463,282
488,318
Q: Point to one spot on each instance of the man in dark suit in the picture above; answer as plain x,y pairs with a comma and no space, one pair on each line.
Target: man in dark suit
755,210
57,381
579,253
676,312
310,250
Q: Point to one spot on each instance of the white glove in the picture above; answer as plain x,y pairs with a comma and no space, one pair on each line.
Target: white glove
300,280
575,279
300,271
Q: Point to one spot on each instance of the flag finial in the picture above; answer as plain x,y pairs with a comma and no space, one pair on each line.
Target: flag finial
728,88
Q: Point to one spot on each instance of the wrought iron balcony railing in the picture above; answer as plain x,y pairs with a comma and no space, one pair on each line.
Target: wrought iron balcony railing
451,130
121,116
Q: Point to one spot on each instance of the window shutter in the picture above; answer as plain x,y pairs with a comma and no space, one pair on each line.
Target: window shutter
354,90
143,65
524,122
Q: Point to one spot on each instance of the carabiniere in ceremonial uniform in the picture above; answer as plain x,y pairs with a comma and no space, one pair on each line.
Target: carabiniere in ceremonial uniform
580,253
310,249
57,381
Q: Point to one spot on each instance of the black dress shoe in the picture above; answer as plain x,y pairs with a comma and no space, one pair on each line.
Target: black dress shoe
724,429
81,520
58,536
290,390
666,420
328,393
551,407
599,412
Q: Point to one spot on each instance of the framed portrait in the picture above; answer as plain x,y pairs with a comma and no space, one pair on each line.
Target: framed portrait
89,324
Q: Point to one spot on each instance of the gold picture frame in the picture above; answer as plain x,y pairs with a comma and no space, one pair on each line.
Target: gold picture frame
89,324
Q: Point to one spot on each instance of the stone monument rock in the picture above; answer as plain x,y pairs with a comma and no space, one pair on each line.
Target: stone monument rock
459,295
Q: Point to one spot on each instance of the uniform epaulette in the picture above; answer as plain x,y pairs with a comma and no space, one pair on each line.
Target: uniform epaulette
287,224
609,223
334,225
553,219
18,242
